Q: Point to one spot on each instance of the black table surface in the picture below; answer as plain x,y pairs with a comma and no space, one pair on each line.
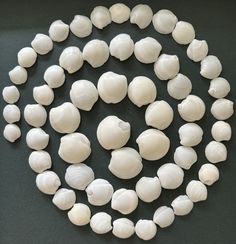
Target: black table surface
26,215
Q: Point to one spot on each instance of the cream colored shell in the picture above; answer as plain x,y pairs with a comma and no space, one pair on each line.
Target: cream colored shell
100,17
123,228
80,214
64,199
10,94
119,13
43,95
81,26
196,191
26,57
42,44
54,76
11,113
58,31
182,205
164,216
18,75
35,115
208,174
222,109
37,139
145,229
100,223
219,87
211,67
221,131
11,132
197,50
216,152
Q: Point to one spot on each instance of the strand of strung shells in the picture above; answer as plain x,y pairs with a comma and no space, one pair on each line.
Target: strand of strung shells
112,132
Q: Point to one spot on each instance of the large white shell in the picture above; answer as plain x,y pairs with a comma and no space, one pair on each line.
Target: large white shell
125,163
54,76
35,115
145,229
100,17
80,214
196,191
164,216
123,228
100,223
11,113
26,57
219,87
81,26
119,13
18,75
211,67
58,31
64,198
222,109
208,174
182,205
37,139
216,152
153,144
10,94
11,132
197,50
79,176
221,131
42,44
43,95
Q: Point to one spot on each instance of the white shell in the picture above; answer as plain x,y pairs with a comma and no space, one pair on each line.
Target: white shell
48,182
40,161
54,76
42,44
182,205
79,176
64,198
185,157
197,50
113,133
74,148
153,144
81,26
83,94
221,131
211,67
11,132
10,94
112,87
125,163
216,152
222,109
159,115
71,59
142,91
11,113
164,216
145,229
179,87
58,31
141,15
148,189
123,228
121,47
119,13
26,57
166,67
147,50
219,87
18,75
80,214
37,139
64,118
99,192
35,115
192,108
100,17
164,21
208,174
43,95
100,223
125,201
196,191
190,134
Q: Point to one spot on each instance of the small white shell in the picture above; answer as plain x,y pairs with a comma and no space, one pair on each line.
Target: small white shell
179,87
121,47
148,189
26,57
141,15
145,229
58,31
40,161
164,21
222,109
153,144
79,176
113,133
211,67
37,139
119,13
99,192
182,205
43,95
112,87
196,191
64,118
54,76
11,132
100,223
100,17
81,26
219,88
221,131
83,94
10,94
185,157
11,113
147,50
123,228
64,198
167,67
142,91
208,174
35,115
48,182
159,114
18,75
125,163
190,134
71,59
216,152
125,201
80,214
164,216
42,44
197,50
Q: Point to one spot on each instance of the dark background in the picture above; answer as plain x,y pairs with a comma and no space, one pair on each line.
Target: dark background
26,215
